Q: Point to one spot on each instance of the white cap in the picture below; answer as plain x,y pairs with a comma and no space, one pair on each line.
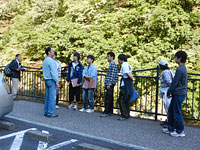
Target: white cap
163,62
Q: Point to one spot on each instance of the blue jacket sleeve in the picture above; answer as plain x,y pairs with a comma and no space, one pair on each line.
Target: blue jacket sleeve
80,74
94,74
68,73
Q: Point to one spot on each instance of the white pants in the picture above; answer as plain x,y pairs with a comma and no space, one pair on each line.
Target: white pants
166,100
15,82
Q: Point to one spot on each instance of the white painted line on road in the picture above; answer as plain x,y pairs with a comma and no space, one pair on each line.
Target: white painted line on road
62,144
16,133
16,145
19,136
43,145
81,134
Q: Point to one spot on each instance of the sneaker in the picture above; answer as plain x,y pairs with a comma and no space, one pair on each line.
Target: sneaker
82,110
70,106
90,110
52,116
75,107
175,134
57,107
165,130
104,115
122,118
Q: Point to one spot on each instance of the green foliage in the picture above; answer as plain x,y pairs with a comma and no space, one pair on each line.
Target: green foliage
146,31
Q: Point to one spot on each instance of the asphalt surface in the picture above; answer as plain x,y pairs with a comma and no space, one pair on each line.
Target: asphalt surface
59,136
135,131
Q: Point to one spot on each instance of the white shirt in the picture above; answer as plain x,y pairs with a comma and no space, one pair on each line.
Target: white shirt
73,68
58,63
125,68
18,63
74,64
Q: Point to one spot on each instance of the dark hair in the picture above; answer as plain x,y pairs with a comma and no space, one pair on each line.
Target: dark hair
77,55
17,55
91,57
182,55
122,57
163,67
55,53
47,50
111,54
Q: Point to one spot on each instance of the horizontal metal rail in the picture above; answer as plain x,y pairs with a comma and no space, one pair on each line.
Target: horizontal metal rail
32,85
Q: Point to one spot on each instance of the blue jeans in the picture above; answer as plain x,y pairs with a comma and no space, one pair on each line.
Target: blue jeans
175,118
88,96
50,100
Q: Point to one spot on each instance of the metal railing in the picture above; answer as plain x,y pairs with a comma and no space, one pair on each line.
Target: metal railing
146,82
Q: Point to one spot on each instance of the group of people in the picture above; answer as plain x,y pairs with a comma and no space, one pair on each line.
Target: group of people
78,77
173,86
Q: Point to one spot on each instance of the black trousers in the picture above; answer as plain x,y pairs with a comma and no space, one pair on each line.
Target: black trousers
74,91
57,96
109,100
124,104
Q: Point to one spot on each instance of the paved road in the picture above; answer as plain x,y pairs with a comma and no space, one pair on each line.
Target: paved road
135,131
62,139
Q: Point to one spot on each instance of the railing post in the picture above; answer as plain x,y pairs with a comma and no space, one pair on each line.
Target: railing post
157,85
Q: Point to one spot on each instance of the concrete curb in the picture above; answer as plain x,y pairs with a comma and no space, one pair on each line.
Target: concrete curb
39,135
7,125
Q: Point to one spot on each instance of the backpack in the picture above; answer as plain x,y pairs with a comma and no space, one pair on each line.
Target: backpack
7,71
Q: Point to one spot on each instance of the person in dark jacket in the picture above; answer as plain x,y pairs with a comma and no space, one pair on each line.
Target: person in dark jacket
16,67
126,87
74,79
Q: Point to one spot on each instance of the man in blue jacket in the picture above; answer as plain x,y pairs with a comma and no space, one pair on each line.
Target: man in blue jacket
50,75
74,79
